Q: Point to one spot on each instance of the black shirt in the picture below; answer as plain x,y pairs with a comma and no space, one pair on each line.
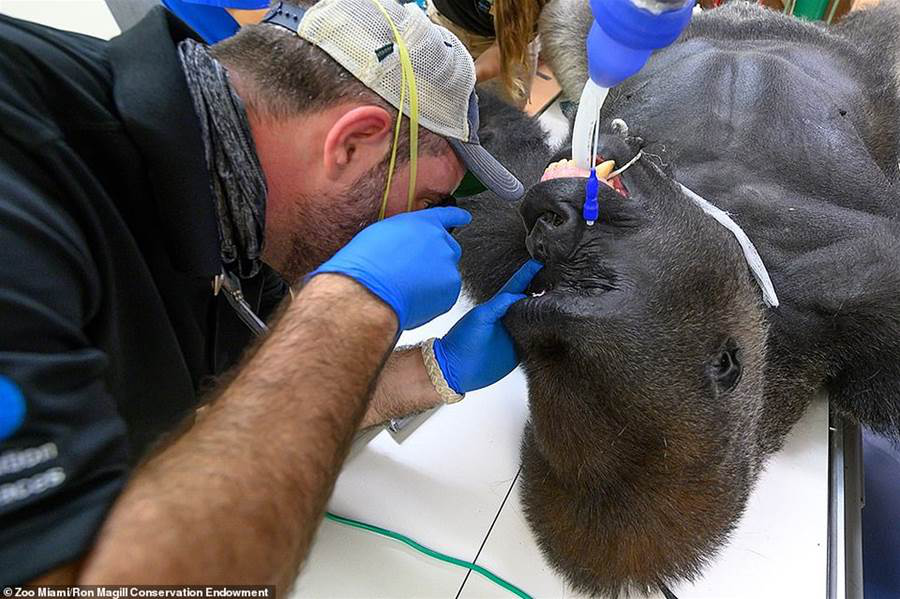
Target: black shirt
471,15
108,324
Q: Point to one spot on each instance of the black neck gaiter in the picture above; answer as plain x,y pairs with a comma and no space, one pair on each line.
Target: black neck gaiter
237,182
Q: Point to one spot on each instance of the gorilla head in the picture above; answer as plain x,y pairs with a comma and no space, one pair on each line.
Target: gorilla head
643,346
658,382
643,343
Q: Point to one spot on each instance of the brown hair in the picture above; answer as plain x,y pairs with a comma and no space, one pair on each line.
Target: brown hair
289,76
515,22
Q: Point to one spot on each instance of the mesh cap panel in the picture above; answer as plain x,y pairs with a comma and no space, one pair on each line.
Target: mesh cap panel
356,34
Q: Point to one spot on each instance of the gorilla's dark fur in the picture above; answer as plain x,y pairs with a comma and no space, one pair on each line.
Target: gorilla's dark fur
658,381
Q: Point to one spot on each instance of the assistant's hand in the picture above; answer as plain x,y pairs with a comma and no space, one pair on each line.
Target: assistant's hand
409,261
478,350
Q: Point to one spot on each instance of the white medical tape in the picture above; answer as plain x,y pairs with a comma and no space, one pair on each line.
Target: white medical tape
750,254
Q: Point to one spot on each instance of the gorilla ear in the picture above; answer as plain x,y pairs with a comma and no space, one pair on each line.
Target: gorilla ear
726,368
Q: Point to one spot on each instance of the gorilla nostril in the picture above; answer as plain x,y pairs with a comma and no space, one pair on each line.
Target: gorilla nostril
552,236
551,218
551,213
538,243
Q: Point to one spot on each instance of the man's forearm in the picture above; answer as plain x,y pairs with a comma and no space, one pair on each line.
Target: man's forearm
403,389
238,497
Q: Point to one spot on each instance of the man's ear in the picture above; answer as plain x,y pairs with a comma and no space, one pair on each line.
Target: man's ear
357,142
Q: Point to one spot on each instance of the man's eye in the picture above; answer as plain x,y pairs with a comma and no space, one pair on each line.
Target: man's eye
444,201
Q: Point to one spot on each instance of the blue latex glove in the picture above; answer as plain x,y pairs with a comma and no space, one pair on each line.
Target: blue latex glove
478,350
12,408
209,19
409,261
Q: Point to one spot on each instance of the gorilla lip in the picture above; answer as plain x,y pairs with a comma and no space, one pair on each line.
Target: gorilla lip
540,285
549,285
567,169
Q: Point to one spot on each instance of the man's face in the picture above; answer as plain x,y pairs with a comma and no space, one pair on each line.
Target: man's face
321,225
437,177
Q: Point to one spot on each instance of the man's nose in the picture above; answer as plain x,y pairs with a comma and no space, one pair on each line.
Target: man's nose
554,226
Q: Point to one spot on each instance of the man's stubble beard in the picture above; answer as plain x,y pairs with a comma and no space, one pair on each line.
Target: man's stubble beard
325,225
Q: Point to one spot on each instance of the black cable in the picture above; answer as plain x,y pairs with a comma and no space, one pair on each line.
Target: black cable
497,515
665,590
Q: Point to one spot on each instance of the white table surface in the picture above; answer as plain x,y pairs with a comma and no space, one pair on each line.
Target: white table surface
446,483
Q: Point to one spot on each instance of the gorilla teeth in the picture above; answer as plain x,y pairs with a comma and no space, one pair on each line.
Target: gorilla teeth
563,168
539,293
605,168
567,168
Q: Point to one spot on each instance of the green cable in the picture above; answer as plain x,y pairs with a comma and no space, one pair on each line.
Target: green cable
429,552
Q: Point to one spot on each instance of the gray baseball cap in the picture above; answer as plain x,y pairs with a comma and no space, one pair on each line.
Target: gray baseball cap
356,34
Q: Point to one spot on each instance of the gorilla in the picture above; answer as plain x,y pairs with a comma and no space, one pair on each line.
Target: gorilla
659,381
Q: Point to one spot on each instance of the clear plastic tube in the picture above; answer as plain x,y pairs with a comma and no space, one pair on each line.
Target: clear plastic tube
592,98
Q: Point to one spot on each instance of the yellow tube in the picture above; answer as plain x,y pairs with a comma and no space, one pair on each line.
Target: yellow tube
408,79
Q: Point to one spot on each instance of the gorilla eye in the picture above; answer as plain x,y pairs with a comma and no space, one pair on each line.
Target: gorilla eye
727,367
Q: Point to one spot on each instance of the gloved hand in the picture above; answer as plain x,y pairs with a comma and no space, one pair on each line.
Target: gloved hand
409,261
478,350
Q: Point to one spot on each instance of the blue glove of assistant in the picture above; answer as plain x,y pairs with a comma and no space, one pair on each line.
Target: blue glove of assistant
12,408
409,261
478,350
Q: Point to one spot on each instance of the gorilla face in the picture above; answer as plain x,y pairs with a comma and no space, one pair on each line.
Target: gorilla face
643,344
